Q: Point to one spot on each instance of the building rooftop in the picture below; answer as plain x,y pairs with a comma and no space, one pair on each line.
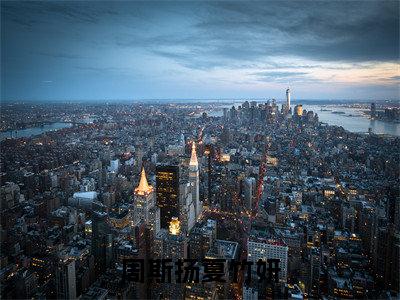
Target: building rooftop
223,249
144,188
85,195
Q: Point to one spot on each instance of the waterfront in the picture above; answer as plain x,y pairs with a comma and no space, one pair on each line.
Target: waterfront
29,132
351,119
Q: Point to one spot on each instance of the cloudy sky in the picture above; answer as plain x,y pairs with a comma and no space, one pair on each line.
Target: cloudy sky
191,50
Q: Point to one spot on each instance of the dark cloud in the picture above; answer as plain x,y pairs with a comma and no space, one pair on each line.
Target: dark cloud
227,32
38,38
330,31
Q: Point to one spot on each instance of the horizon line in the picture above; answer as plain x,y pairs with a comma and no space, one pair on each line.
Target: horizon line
193,100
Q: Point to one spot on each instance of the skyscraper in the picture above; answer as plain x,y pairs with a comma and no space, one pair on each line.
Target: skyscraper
101,241
170,244
66,280
373,110
195,181
264,247
167,193
144,199
288,99
298,110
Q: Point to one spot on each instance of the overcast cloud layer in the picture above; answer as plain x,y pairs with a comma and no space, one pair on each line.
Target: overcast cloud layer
163,50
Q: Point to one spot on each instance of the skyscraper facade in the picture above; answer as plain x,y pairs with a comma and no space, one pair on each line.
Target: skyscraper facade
269,248
66,280
101,241
288,99
144,199
195,181
167,193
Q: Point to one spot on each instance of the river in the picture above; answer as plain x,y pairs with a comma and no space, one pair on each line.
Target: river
28,132
352,119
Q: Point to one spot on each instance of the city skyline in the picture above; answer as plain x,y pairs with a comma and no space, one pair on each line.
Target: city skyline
191,50
243,150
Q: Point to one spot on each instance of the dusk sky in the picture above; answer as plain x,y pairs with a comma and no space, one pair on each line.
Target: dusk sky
199,50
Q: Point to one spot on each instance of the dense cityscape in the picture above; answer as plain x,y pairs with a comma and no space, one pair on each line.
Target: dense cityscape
200,150
171,181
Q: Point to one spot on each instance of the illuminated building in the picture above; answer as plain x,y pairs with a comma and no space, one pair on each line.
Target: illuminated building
202,291
167,193
225,158
195,181
263,247
174,226
340,287
144,199
154,221
170,244
298,110
187,207
120,218
88,228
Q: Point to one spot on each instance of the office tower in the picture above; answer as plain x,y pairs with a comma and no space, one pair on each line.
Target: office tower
288,99
262,247
233,114
101,241
228,251
187,207
66,280
298,110
201,237
170,244
167,193
225,135
154,221
195,181
225,113
144,199
373,110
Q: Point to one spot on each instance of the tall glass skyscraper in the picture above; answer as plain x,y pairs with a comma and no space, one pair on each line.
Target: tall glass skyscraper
167,193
